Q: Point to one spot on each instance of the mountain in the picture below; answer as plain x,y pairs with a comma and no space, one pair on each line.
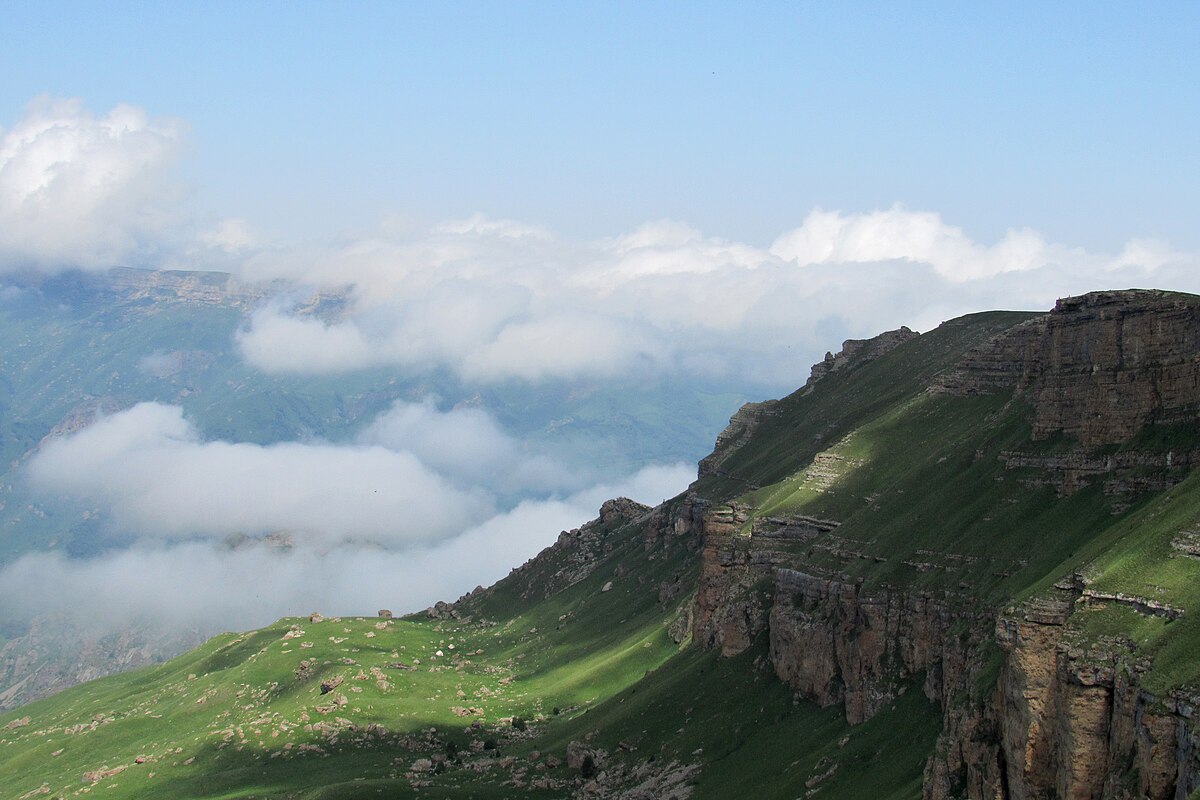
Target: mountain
959,564
78,345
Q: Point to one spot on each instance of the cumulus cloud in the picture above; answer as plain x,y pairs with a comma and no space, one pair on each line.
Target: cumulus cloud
468,446
406,514
214,584
80,190
496,300
149,468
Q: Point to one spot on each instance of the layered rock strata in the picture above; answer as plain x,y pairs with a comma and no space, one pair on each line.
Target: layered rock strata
1098,368
1029,712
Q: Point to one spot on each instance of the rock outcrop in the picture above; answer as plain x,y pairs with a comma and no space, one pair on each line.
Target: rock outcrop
834,643
857,351
1030,712
1098,368
738,566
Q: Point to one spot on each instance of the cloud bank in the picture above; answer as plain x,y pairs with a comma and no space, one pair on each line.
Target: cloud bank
148,467
407,514
497,301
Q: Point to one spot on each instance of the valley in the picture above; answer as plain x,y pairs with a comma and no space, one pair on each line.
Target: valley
954,565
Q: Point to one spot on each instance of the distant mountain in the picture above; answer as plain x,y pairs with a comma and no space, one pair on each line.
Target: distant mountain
79,345
960,564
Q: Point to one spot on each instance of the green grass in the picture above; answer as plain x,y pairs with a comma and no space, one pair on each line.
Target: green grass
214,723
926,504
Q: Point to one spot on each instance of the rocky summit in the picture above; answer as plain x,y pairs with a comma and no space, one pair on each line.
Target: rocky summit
960,564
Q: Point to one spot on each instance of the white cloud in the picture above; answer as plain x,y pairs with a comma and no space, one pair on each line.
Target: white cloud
147,465
468,446
830,237
77,190
230,235
385,521
279,343
214,585
497,301
563,345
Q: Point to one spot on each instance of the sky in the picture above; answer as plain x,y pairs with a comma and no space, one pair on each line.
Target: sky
1076,119
554,192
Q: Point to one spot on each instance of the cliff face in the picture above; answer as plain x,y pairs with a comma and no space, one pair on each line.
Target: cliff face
1098,368
1074,723
1031,710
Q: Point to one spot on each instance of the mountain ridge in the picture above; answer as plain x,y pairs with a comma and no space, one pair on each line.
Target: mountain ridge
910,565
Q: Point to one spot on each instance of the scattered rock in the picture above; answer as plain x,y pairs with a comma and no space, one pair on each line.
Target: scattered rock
97,775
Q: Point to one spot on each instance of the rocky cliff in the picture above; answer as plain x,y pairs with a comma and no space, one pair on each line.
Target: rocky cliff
1098,368
744,423
1106,388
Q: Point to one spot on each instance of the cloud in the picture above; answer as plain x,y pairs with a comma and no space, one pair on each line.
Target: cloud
408,513
147,466
564,345
79,190
498,301
213,584
830,237
468,446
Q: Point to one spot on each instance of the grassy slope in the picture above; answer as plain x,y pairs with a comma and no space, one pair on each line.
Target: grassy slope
530,664
918,479
608,661
607,665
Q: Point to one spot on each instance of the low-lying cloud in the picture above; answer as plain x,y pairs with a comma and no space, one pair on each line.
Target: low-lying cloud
215,584
496,301
409,513
147,467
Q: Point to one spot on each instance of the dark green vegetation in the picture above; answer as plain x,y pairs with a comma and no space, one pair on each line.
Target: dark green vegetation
245,714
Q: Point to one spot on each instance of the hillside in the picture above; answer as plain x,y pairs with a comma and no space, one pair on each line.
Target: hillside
959,564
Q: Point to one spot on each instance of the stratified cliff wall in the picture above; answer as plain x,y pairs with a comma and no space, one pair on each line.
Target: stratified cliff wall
1098,368
1028,713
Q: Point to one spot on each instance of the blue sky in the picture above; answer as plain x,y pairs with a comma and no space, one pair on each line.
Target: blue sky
1080,120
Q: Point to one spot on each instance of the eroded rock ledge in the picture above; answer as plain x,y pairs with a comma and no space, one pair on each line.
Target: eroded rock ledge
1098,368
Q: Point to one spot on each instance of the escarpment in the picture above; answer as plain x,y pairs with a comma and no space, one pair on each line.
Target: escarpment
744,423
961,564
1097,368
1023,469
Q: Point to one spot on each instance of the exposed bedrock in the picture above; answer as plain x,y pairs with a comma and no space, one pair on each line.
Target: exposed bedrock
835,644
1098,367
1029,712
